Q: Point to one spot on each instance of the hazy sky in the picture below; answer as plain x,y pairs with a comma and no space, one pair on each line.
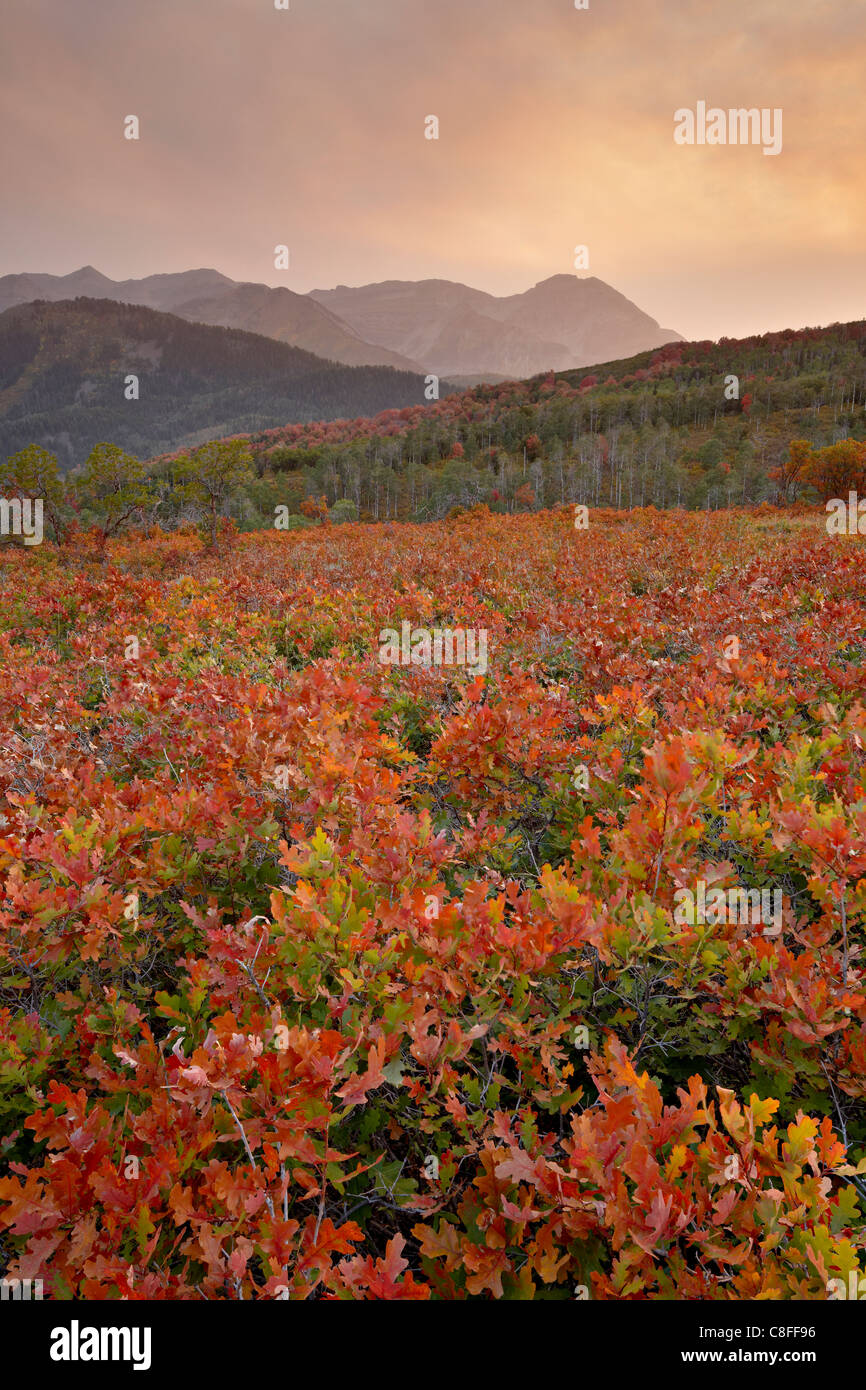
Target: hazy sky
306,127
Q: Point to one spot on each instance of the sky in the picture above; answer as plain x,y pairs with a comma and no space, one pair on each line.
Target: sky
306,127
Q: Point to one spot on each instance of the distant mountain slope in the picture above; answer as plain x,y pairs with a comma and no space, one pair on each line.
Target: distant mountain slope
63,368
592,319
562,323
205,296
290,318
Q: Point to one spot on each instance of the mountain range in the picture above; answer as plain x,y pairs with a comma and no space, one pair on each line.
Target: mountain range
426,326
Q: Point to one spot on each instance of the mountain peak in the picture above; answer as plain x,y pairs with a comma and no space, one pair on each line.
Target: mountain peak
90,272
564,280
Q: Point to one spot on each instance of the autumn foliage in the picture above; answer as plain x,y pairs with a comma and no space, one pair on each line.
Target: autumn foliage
323,978
831,470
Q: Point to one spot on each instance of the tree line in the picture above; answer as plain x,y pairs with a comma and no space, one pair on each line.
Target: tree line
219,482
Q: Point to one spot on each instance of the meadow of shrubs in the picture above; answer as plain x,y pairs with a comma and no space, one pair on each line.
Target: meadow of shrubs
326,978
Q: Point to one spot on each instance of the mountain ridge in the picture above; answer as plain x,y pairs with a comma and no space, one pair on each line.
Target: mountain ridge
207,296
437,326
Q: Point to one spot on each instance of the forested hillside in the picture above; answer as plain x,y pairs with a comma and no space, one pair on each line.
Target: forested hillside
691,425
64,369
663,428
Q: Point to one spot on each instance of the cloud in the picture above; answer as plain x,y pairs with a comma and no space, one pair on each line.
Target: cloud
307,127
